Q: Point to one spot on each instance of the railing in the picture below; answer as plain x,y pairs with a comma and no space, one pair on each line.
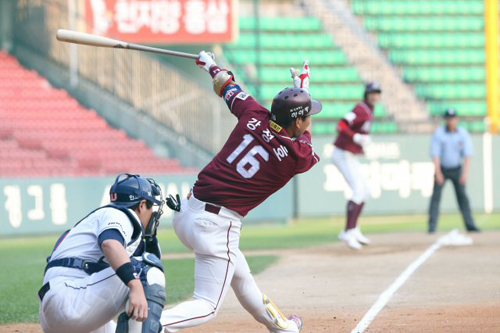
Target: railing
142,81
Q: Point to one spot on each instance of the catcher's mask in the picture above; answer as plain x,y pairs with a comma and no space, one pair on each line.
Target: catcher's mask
128,190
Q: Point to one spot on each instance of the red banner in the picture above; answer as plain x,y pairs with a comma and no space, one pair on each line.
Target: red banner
163,21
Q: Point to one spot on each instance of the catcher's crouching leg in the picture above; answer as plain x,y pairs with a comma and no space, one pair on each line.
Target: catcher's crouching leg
275,321
153,280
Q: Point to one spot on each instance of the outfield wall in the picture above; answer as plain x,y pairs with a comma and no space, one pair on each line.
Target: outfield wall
52,205
400,173
398,167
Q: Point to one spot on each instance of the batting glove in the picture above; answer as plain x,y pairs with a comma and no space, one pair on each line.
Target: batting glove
174,203
301,80
205,60
362,139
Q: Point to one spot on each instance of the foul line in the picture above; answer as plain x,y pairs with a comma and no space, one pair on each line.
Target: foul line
387,294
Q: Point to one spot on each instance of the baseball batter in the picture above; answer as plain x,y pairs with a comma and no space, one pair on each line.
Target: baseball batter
107,263
353,134
264,151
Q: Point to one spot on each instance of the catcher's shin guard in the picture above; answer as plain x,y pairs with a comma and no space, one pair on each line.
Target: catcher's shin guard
153,281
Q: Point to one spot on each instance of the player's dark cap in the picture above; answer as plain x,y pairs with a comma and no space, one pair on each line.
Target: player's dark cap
291,103
450,113
129,190
372,87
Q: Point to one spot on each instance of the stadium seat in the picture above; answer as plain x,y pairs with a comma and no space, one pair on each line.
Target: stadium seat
285,42
287,24
45,132
440,47
420,7
431,40
443,24
445,74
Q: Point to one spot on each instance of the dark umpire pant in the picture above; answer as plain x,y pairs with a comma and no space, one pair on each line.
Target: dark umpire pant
462,199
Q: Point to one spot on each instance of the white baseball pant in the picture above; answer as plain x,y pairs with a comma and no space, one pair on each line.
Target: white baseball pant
82,305
219,264
349,166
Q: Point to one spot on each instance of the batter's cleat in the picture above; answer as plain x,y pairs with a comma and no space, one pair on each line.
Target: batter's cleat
297,320
360,237
349,237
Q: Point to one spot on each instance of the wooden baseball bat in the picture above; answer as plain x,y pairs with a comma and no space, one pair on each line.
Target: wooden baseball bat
76,37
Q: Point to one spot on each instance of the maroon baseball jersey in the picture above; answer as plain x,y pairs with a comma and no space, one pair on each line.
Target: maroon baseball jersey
258,159
359,120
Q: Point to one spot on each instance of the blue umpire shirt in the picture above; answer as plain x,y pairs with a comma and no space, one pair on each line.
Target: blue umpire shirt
451,147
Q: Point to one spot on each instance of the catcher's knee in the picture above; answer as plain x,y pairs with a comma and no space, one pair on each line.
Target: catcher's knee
153,281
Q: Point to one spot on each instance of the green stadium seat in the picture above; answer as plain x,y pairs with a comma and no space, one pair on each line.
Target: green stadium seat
474,126
339,109
384,127
440,7
443,74
320,92
431,40
452,91
287,42
437,57
440,45
342,74
333,57
320,128
419,23
310,24
330,128
248,40
464,109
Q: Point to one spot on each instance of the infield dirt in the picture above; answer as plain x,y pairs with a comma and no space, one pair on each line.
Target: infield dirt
332,287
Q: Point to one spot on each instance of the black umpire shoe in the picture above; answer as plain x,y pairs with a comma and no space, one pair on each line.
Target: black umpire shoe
473,229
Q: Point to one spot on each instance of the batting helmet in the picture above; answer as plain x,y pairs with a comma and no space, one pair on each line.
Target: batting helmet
291,103
372,87
129,190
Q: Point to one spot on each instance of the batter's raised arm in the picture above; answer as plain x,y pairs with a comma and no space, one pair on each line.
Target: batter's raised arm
221,77
226,87
301,80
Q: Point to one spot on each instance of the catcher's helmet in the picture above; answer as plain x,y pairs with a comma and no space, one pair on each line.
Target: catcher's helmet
129,190
372,87
291,103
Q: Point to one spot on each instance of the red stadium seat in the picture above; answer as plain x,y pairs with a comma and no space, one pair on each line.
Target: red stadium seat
45,132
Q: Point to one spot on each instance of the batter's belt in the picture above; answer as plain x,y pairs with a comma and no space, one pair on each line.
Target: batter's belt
196,204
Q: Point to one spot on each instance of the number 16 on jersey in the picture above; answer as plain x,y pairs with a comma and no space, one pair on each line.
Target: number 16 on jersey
249,157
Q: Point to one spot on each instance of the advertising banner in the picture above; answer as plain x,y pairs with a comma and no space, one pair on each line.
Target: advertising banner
163,21
400,176
52,205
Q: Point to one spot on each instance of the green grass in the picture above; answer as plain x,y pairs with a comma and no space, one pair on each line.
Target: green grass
23,259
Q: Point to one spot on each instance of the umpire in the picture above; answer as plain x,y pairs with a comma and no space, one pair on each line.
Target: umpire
450,146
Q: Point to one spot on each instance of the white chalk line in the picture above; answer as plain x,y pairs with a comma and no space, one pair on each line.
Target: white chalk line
389,292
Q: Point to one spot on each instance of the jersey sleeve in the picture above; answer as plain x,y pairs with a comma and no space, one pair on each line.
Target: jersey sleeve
117,220
306,155
239,102
435,145
355,117
468,146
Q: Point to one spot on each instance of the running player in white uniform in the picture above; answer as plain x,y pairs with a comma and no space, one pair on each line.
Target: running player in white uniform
107,261
264,151
353,134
